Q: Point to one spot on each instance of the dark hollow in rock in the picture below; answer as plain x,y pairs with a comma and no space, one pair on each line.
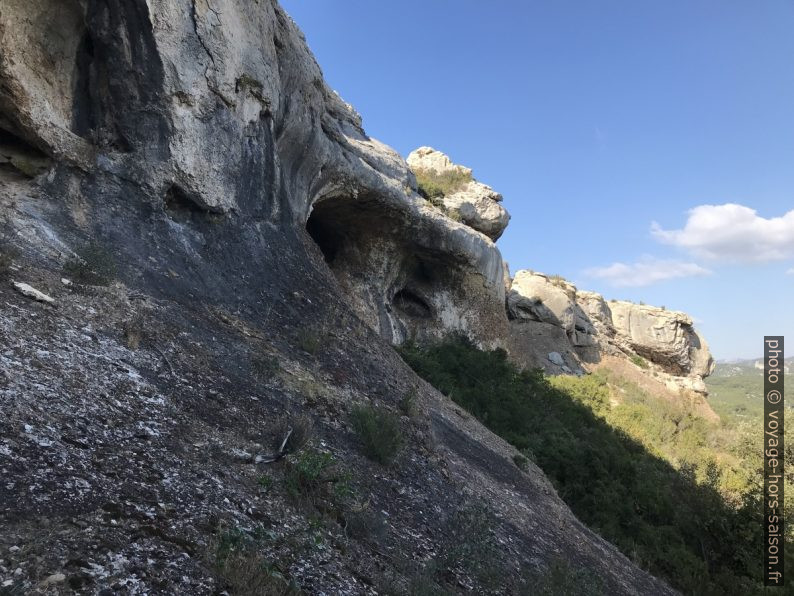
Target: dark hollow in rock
183,206
20,156
411,304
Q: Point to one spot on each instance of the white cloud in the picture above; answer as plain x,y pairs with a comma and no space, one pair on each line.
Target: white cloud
790,271
732,232
646,272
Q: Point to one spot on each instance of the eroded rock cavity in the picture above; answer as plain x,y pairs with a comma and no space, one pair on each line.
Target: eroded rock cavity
402,275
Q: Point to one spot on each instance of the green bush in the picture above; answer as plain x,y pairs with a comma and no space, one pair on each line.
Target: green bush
560,579
407,404
93,265
470,546
608,463
310,340
640,361
433,184
365,524
308,475
300,429
243,570
265,367
558,280
379,432
521,462
468,550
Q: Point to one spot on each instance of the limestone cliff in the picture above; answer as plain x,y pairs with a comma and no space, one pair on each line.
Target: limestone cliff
226,251
553,325
561,329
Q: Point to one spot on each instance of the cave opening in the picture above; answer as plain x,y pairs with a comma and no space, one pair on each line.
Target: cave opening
182,206
411,304
20,157
324,227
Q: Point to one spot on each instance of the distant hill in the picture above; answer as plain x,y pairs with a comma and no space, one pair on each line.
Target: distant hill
736,386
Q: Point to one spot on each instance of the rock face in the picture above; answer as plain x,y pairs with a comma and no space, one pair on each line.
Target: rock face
541,307
475,204
664,337
537,297
228,108
254,226
412,274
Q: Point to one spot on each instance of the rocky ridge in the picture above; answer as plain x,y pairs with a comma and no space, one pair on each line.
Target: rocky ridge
580,328
268,253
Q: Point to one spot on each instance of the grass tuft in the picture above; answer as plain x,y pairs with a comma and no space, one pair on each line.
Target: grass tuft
93,265
434,185
379,432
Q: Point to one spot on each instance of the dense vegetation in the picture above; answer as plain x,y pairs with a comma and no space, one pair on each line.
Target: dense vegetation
676,493
434,185
379,432
736,388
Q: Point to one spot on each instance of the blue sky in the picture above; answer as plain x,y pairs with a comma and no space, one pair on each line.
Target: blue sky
603,124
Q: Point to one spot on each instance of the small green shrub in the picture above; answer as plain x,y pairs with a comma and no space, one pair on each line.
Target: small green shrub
407,404
93,265
309,473
521,462
379,432
557,280
134,331
264,367
316,477
244,570
422,582
310,340
365,524
247,81
301,427
640,361
265,482
560,579
453,214
468,550
5,263
471,546
13,590
433,184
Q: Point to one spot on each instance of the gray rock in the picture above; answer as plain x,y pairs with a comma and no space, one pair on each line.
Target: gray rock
226,112
51,580
475,204
556,358
536,296
31,292
667,339
664,337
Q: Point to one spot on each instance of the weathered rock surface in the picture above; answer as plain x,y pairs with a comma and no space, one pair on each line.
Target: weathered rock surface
538,303
230,106
475,204
665,337
197,145
31,292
